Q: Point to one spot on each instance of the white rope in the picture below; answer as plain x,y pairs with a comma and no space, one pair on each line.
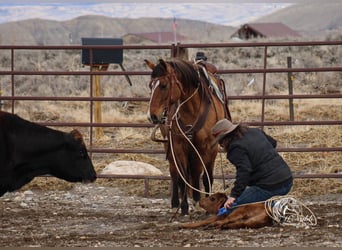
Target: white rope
192,145
289,211
180,174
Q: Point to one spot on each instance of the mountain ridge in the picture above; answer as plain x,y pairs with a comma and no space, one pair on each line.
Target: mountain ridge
300,17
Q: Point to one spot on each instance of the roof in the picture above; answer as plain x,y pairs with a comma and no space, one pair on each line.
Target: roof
270,29
273,29
159,37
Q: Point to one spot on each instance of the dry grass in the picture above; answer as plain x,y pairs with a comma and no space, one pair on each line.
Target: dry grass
287,136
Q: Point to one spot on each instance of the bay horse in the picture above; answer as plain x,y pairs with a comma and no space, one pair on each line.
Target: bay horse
185,105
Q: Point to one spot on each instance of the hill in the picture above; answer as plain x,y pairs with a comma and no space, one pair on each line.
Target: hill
314,19
47,32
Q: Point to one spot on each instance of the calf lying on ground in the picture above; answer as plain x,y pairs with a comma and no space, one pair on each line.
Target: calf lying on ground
246,216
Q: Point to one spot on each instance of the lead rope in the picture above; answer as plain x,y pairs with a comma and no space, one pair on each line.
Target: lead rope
192,145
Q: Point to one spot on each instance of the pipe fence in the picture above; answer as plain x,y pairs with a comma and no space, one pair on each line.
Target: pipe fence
11,71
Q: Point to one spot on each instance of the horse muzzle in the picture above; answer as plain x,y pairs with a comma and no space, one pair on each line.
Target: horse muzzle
155,119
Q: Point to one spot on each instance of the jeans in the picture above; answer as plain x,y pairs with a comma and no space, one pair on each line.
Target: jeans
255,194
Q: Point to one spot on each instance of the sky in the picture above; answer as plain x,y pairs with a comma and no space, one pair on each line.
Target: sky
222,12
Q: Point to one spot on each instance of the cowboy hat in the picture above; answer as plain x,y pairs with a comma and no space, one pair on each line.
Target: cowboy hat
221,129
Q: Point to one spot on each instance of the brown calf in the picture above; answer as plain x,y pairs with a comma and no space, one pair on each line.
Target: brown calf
246,216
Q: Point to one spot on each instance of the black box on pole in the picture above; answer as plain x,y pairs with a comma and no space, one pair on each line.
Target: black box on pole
102,56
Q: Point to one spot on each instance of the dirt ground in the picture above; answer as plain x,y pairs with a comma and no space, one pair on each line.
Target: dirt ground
93,215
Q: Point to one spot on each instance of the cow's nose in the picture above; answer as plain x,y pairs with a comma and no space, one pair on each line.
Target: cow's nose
94,178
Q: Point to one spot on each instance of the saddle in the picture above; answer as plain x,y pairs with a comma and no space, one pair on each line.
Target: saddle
215,83
209,67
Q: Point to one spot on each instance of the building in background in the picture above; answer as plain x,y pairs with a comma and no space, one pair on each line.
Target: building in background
264,30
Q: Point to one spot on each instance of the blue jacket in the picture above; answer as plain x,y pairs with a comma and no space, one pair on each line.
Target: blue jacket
257,162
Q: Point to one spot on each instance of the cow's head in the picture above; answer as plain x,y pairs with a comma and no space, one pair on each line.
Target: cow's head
75,164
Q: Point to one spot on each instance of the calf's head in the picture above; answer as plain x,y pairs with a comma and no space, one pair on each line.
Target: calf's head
213,202
74,164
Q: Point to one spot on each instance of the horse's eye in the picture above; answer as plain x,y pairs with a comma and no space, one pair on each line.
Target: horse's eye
162,86
212,198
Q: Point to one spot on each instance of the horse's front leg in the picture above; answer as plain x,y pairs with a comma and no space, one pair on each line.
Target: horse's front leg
208,179
196,172
179,185
184,197
174,185
174,195
196,195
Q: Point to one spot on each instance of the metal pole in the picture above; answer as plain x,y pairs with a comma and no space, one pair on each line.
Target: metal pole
290,84
263,90
0,95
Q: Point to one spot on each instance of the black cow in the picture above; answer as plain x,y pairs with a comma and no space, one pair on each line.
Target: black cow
28,150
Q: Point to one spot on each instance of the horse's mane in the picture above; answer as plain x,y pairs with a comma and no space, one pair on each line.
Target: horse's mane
185,71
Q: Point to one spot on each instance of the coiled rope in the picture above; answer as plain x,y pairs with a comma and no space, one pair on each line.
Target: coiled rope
287,210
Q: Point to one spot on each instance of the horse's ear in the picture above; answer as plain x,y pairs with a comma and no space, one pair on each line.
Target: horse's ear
150,64
165,65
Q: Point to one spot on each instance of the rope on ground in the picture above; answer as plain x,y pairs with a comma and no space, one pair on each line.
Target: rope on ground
287,210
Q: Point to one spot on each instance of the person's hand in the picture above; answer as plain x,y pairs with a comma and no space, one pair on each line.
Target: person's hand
229,202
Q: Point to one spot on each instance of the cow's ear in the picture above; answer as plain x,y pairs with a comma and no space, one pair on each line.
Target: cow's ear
150,64
76,135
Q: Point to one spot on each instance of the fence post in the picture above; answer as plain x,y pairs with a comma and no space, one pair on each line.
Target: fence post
263,89
97,104
290,85
0,95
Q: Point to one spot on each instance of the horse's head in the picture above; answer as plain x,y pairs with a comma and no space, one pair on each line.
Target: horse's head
165,90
